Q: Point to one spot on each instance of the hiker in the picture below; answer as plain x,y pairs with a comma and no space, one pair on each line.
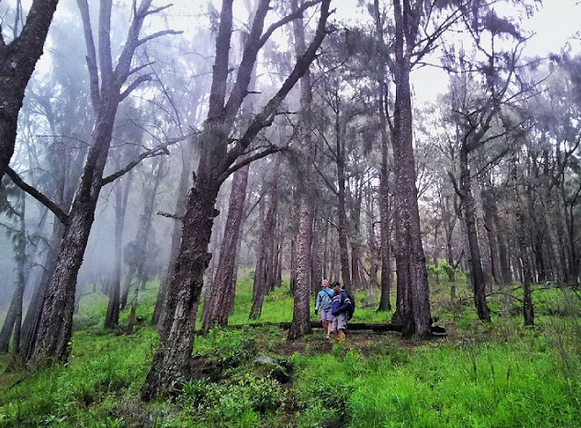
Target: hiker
342,310
324,303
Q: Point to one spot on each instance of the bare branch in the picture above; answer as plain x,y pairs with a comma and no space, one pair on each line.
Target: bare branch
43,199
155,151
249,159
265,117
134,85
91,57
297,14
157,10
138,68
169,215
156,35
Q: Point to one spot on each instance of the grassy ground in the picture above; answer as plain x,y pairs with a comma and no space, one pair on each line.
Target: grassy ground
496,375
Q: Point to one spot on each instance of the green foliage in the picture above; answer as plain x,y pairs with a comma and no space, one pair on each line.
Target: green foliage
499,374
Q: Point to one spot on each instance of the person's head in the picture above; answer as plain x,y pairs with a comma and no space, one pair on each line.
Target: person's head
325,283
336,285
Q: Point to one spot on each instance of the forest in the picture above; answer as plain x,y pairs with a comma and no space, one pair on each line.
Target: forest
177,180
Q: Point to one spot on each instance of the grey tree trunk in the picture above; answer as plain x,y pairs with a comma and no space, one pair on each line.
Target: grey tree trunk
13,321
342,222
143,234
52,337
17,61
413,305
171,361
121,195
264,273
216,307
301,325
180,209
469,216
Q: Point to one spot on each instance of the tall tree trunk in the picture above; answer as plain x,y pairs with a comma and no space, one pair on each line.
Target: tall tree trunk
317,253
342,222
171,361
143,234
301,325
216,310
17,61
263,274
356,280
384,202
121,195
528,309
13,321
55,319
489,206
469,215
413,304
503,253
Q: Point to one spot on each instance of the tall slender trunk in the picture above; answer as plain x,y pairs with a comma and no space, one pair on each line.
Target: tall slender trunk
317,253
469,215
342,227
301,325
527,308
17,61
121,195
216,308
413,304
264,274
143,235
384,203
13,321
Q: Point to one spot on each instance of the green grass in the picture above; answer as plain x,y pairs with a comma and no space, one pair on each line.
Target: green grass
498,375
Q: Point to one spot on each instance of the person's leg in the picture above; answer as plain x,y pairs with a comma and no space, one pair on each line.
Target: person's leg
341,327
329,319
334,328
326,328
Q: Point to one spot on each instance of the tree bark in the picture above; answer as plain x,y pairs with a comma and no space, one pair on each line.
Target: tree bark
17,61
216,308
384,201
342,222
121,195
469,216
413,305
13,321
171,361
300,325
55,319
264,272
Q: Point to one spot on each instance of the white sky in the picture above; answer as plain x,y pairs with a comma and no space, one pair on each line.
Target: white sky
553,24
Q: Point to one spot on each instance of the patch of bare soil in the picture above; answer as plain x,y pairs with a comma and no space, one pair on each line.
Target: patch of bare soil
366,342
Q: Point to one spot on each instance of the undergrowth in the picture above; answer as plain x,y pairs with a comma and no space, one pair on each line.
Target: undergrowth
496,375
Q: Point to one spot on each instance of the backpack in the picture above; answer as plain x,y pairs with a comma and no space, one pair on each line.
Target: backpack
352,310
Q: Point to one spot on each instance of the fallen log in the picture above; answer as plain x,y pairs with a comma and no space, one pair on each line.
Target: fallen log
359,326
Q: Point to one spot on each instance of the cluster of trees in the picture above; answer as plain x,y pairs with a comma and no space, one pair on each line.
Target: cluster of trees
294,146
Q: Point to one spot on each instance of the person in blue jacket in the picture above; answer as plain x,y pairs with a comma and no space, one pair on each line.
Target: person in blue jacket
341,306
324,303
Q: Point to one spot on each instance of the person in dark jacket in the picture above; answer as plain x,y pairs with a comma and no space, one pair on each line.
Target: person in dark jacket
341,306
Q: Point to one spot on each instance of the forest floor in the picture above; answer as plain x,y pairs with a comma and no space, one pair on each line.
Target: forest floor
487,375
